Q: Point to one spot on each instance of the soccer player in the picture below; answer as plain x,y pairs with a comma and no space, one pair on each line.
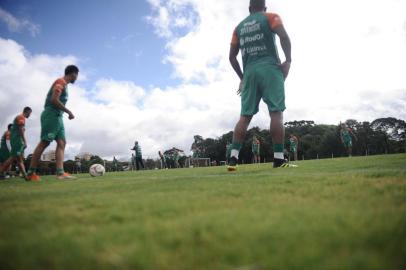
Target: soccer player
163,161
293,141
52,127
115,164
345,135
138,156
5,147
263,76
18,144
256,149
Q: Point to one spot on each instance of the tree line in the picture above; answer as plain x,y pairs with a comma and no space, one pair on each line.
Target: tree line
381,136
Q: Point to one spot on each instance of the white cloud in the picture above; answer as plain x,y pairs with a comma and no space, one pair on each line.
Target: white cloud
17,25
112,114
163,19
341,50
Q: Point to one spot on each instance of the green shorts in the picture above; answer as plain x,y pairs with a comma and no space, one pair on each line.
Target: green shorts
255,151
348,143
4,155
293,149
262,81
52,127
17,146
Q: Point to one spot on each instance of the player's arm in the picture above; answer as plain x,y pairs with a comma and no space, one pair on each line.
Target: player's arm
234,50
56,94
8,144
286,47
21,131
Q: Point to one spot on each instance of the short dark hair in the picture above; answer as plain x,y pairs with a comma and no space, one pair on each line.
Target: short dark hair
27,109
9,126
257,4
71,69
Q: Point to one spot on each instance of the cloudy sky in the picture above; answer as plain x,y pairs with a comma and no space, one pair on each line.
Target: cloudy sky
157,71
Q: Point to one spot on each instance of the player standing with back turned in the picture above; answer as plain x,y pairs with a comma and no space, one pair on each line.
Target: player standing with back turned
263,76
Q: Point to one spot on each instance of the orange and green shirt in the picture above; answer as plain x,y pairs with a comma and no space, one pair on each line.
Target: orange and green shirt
18,122
60,86
255,37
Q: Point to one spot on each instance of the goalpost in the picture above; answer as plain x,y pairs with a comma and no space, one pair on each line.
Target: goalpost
199,162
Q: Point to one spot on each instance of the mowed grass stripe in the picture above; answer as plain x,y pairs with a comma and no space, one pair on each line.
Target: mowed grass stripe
325,214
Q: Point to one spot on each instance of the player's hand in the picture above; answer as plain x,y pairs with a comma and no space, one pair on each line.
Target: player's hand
240,88
285,67
71,116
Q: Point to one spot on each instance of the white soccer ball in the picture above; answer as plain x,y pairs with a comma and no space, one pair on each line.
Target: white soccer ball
97,170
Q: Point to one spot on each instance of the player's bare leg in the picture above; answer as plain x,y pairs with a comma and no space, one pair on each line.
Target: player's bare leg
5,165
21,166
36,156
240,131
278,135
60,154
277,127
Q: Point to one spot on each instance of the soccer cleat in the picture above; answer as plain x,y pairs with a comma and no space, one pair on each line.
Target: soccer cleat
282,163
232,164
65,176
33,177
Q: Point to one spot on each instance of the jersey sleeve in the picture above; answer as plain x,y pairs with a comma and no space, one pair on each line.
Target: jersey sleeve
59,85
274,20
234,39
20,120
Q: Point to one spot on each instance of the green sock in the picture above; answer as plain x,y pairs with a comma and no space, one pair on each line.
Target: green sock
278,148
235,149
236,146
60,171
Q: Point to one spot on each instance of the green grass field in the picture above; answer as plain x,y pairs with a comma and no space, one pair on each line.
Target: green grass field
326,214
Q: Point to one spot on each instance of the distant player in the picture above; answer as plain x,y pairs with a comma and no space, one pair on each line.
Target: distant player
132,162
115,164
78,165
18,144
294,142
138,156
163,161
263,77
52,127
5,148
256,149
345,136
